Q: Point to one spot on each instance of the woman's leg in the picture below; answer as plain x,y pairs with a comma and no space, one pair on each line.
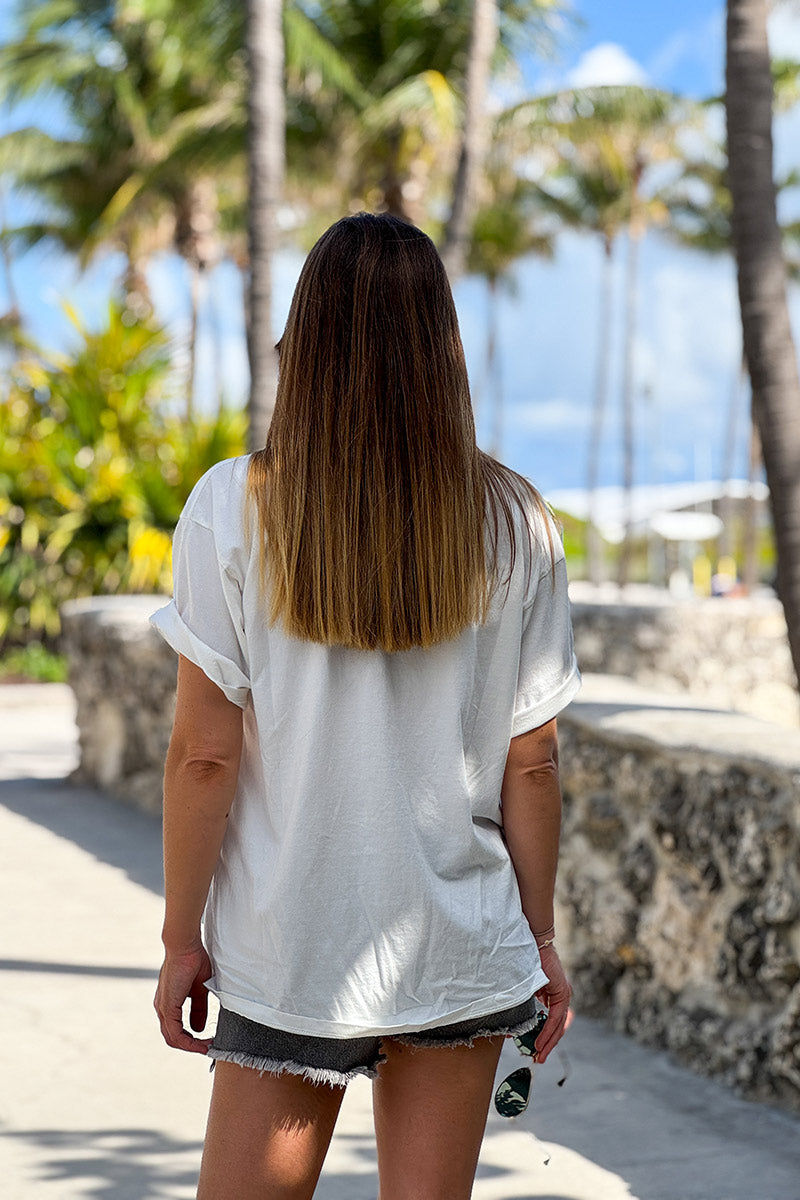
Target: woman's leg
267,1135
430,1106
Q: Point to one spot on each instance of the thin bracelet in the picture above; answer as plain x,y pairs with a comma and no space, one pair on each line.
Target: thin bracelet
548,942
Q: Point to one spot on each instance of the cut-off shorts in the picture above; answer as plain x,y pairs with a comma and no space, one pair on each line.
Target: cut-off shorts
336,1061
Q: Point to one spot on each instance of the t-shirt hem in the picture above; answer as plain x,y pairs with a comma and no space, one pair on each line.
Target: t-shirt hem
315,1027
541,713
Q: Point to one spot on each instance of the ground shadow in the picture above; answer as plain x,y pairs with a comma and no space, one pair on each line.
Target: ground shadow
112,831
659,1127
113,1164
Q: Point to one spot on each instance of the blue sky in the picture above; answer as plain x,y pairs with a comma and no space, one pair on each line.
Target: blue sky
687,342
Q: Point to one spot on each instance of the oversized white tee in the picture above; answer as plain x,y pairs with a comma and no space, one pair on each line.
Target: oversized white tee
364,884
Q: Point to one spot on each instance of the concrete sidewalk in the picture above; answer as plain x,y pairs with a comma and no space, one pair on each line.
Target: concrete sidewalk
94,1104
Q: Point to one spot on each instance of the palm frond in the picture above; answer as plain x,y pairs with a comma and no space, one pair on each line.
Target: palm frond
309,51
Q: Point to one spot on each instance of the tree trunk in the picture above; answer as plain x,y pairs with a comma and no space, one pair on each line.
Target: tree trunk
135,288
761,270
751,573
631,305
194,308
12,319
483,40
216,347
393,200
266,166
726,505
493,374
594,564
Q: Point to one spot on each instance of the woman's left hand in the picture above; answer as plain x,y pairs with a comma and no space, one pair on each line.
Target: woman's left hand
183,976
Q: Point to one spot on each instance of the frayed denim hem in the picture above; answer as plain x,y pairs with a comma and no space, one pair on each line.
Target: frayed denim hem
277,1067
418,1040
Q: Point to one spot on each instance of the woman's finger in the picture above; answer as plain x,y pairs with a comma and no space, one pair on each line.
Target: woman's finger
198,1012
176,1036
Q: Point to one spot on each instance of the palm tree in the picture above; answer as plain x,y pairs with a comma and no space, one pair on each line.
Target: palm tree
483,39
594,200
616,134
374,94
761,273
266,170
504,231
699,202
143,169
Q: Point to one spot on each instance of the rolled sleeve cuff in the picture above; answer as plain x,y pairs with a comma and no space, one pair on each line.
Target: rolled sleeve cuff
531,717
222,671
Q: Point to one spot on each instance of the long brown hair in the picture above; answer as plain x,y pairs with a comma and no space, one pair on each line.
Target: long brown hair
371,492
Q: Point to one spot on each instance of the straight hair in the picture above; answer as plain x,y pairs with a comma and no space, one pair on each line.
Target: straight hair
372,497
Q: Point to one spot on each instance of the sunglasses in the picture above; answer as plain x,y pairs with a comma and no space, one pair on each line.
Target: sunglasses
513,1094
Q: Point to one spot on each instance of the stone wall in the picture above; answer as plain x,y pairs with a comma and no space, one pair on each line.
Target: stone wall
679,881
733,652
124,677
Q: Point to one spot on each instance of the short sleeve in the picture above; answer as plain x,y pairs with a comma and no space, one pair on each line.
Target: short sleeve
548,675
203,621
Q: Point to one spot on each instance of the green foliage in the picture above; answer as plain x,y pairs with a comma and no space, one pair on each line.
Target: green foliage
94,473
574,538
33,663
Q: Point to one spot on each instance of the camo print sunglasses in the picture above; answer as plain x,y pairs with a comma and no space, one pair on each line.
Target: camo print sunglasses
513,1094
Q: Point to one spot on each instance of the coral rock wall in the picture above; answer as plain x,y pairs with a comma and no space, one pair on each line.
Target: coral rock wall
679,883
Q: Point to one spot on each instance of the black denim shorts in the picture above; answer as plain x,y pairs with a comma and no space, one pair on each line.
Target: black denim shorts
338,1060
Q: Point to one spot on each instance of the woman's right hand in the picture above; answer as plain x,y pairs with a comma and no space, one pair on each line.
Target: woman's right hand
556,995
182,977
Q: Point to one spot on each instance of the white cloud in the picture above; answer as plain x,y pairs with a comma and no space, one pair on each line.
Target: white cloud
606,63
783,30
539,416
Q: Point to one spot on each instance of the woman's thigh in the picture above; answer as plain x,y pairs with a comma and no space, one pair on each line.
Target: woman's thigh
267,1135
430,1106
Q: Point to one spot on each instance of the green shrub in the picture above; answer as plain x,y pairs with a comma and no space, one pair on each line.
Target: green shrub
94,472
34,663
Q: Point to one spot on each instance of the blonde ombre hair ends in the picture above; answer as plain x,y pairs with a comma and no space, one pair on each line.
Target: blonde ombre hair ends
371,493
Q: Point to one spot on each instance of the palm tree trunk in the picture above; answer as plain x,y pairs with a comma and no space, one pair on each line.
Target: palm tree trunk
12,317
493,374
215,339
726,507
631,305
266,166
594,563
761,271
751,573
194,308
392,182
483,40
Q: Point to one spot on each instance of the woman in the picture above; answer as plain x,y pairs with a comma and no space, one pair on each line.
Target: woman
361,788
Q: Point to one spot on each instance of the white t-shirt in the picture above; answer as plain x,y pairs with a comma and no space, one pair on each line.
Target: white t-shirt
364,885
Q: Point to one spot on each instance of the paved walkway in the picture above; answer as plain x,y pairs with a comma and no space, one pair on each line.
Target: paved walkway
94,1105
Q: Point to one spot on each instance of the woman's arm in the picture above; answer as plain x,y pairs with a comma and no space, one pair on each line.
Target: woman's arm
531,802
200,775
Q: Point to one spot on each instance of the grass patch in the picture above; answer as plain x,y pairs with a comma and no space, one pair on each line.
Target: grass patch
32,664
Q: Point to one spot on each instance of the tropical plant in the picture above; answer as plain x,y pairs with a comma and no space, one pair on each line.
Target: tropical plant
150,88
506,229
94,472
374,93
614,141
699,201
761,272
592,198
